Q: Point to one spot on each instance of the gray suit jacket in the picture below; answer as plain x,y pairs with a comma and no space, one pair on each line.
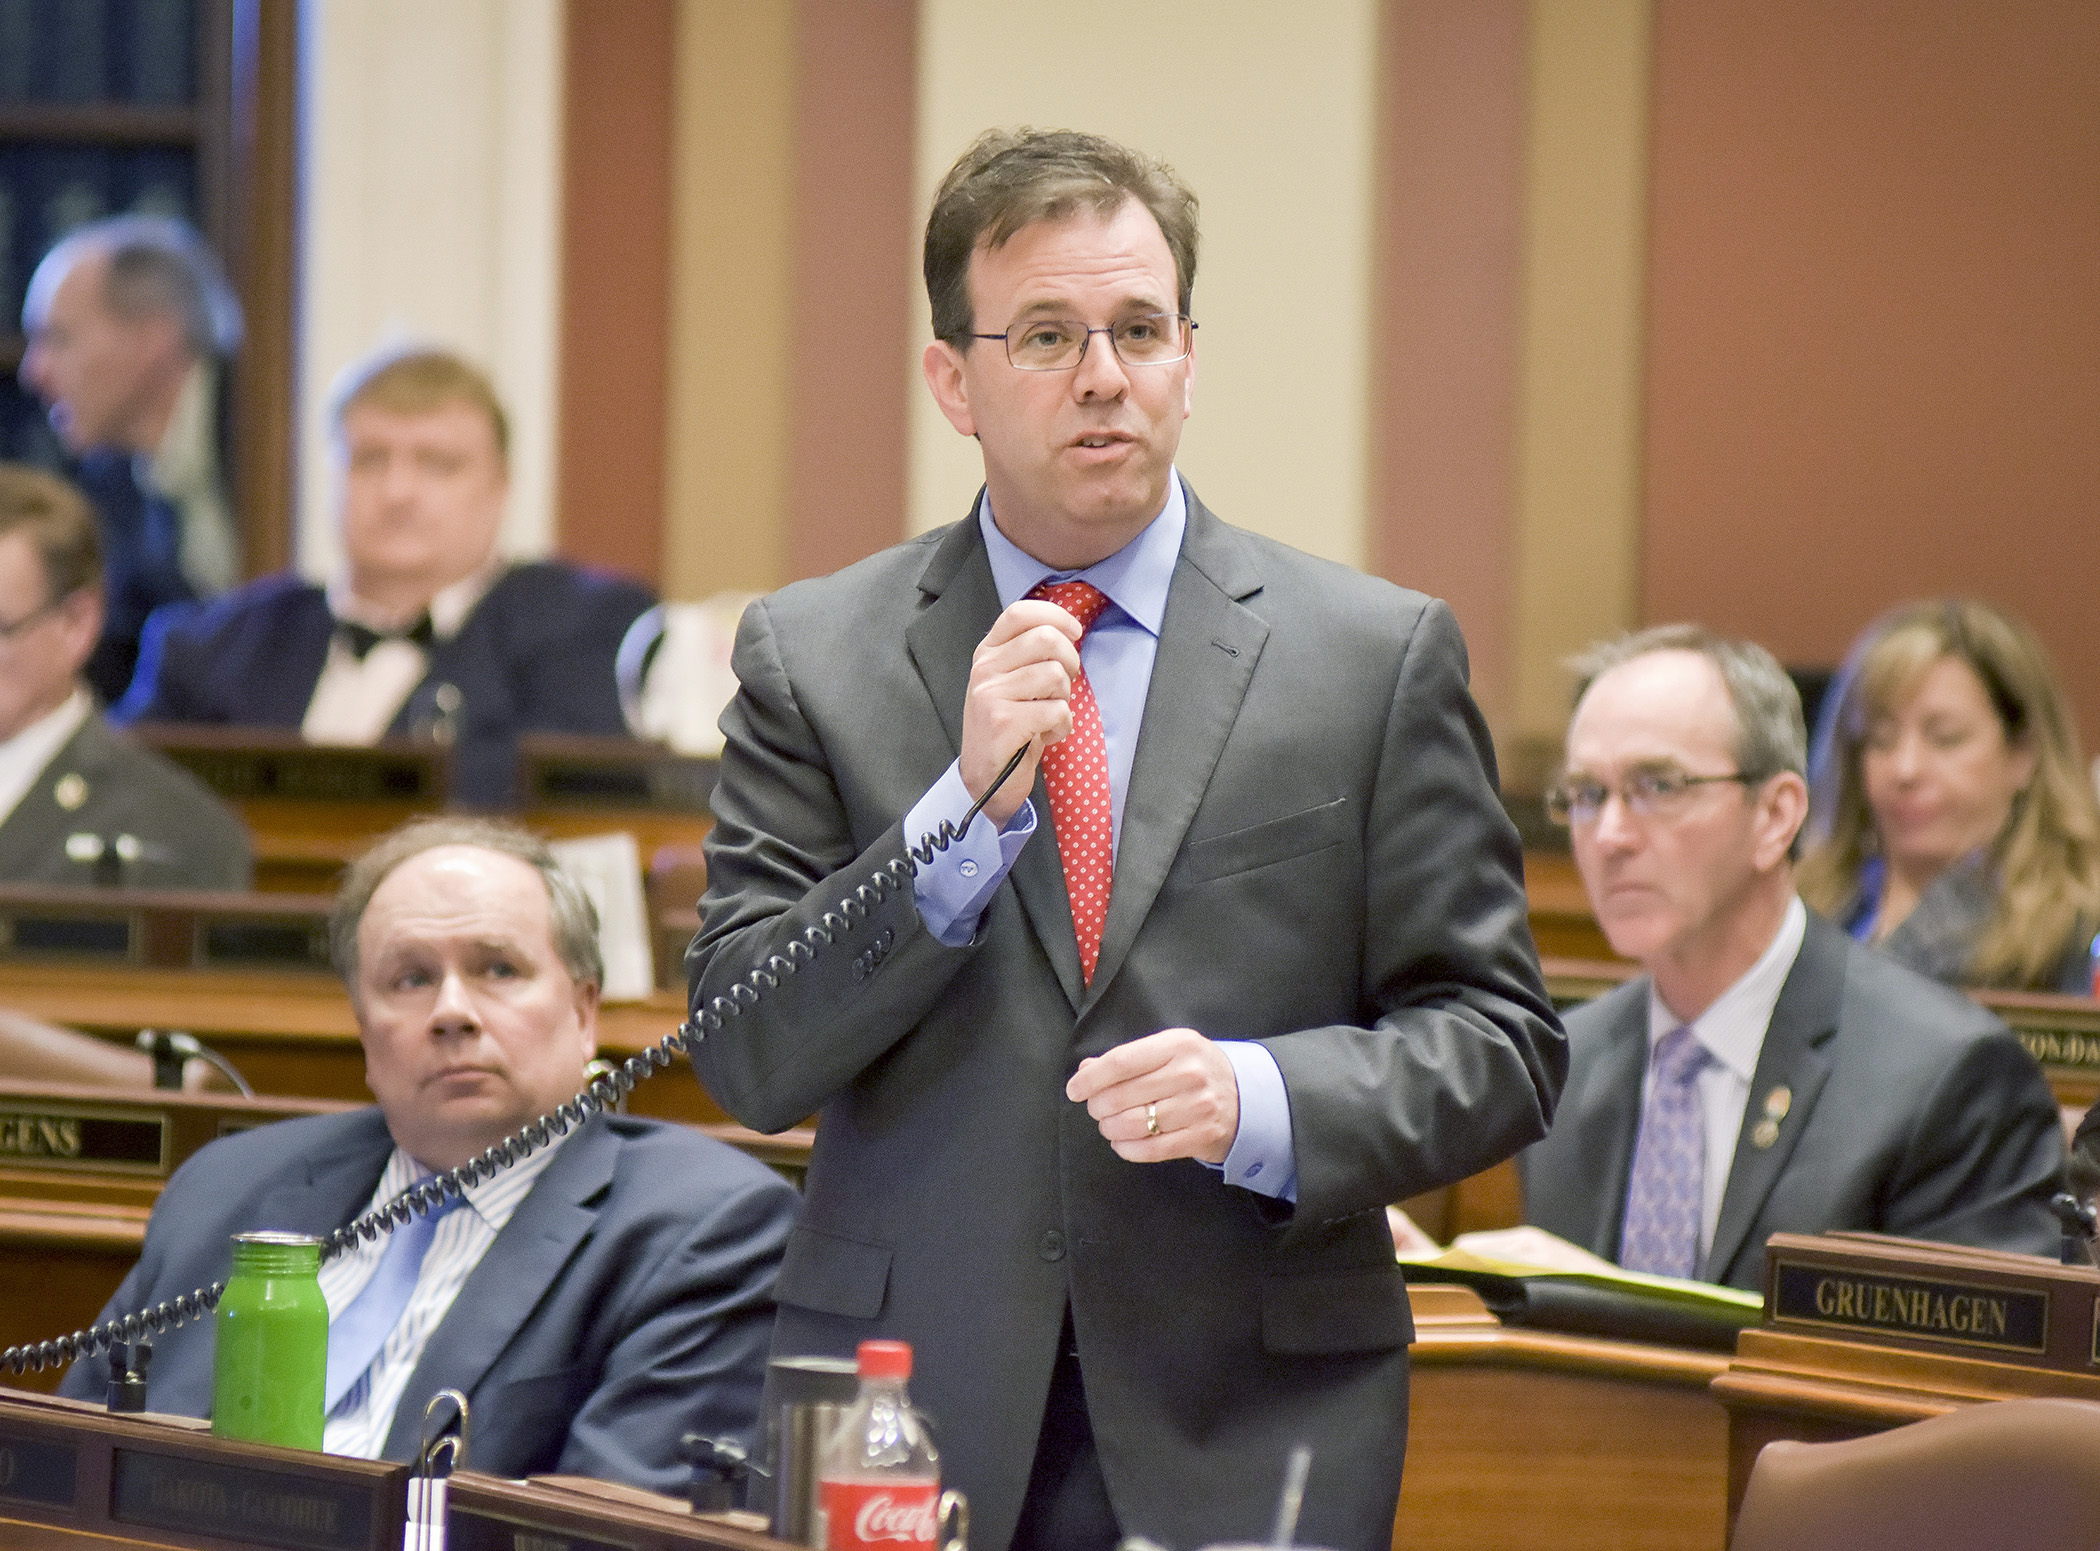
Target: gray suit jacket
1312,855
189,839
1912,1111
627,1302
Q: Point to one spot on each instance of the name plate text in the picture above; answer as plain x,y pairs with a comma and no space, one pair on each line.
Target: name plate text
67,1138
265,1507
2002,1319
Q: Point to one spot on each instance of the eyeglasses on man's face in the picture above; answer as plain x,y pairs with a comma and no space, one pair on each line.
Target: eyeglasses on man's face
1648,791
1059,344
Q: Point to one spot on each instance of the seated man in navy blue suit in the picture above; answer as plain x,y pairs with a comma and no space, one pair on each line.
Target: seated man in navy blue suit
130,322
594,1302
425,631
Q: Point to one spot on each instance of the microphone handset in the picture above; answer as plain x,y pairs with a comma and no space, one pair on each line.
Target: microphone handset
603,1093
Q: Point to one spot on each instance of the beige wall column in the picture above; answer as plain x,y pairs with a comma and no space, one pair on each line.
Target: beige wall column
1580,405
1268,113
732,286
433,214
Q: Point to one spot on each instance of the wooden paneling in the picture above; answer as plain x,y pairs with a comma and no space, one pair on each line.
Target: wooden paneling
1530,1438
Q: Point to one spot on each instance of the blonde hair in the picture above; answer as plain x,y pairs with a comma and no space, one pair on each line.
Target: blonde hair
2045,862
416,381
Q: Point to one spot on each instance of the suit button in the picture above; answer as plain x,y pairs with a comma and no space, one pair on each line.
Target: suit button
1053,1245
860,969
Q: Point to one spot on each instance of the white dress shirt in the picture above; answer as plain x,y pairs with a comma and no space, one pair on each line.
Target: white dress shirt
1733,1033
365,1415
184,469
24,756
356,699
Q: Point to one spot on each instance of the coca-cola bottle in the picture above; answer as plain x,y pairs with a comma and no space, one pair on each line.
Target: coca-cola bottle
880,1483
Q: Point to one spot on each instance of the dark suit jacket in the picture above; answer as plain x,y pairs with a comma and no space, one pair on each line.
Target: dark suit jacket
1312,855
141,563
188,838
627,1302
1913,1111
536,655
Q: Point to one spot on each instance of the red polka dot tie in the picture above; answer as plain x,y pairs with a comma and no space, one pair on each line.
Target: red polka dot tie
1076,773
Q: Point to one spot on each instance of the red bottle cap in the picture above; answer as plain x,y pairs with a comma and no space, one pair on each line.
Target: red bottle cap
885,1359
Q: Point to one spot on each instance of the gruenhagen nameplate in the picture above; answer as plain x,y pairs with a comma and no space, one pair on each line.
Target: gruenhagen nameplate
2009,1320
33,1470
238,1502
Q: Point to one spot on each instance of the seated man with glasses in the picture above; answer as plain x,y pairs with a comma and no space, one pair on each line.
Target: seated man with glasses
79,803
1767,1074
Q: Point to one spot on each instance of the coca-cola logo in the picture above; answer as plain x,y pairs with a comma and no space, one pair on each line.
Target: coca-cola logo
884,1517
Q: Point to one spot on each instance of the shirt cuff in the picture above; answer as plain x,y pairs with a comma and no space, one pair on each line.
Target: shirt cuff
1263,1157
953,889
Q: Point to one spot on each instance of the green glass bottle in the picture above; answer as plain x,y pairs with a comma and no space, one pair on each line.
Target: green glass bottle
272,1364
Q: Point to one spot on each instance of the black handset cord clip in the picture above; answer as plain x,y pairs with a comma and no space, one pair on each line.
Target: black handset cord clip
603,1093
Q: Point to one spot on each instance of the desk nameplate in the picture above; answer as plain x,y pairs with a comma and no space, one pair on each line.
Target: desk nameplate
1934,1297
483,1513
37,1470
2011,1321
268,1507
168,1480
84,1138
474,1530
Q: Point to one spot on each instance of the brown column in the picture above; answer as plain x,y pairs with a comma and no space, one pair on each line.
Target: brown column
615,284
1874,318
1446,285
854,241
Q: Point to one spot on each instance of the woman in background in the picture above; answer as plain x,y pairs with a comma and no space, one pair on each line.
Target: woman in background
1952,819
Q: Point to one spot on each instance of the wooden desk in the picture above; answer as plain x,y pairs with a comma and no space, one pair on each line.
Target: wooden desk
313,810
1530,1438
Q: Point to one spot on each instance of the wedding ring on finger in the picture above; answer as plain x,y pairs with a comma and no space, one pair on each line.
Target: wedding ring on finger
1151,1120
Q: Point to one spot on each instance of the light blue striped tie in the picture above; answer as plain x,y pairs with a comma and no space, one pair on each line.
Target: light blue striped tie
354,1339
1667,1195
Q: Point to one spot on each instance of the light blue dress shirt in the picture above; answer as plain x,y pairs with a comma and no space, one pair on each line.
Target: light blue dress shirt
1117,655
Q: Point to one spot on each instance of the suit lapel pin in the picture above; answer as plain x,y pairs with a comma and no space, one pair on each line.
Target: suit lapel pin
1778,1102
1764,1133
71,791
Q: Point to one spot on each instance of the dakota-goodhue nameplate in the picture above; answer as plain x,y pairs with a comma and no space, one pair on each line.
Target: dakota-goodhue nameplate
35,1470
469,1530
2003,1319
237,1502
67,1137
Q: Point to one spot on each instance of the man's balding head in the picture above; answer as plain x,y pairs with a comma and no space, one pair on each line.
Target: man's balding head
473,967
117,314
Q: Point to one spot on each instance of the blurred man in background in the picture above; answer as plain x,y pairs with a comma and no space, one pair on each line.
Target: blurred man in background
130,322
426,631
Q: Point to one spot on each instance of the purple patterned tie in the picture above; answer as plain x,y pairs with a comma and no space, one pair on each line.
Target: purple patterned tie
1669,1163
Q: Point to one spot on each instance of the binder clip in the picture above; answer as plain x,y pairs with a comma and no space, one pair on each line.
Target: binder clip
444,1444
127,1376
722,1469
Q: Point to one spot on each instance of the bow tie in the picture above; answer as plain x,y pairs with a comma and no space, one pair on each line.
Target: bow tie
360,639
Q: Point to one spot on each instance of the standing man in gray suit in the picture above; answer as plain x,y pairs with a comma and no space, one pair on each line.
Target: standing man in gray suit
80,804
1767,1074
1111,1145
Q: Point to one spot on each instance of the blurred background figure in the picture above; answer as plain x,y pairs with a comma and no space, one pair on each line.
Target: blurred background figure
427,630
79,803
1953,823
129,322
